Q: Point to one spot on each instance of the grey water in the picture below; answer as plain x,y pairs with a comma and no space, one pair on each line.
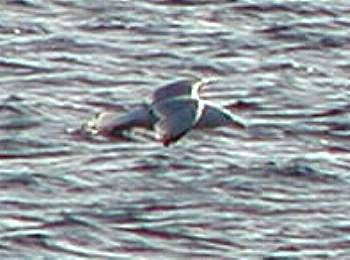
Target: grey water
279,190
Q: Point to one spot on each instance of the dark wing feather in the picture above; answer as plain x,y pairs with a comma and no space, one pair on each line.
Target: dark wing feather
174,89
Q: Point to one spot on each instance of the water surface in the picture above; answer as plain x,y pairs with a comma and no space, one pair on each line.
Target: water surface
278,190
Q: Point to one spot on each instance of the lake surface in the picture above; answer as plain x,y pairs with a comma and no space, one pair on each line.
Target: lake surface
279,190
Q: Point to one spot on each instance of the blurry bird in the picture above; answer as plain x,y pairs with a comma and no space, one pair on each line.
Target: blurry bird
175,109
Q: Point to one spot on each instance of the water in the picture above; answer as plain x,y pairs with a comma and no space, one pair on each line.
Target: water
276,191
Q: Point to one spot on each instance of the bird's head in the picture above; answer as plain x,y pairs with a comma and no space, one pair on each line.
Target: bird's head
199,84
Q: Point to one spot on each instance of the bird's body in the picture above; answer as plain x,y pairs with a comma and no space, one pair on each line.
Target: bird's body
175,109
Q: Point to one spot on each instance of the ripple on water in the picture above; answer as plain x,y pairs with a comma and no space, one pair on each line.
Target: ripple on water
276,191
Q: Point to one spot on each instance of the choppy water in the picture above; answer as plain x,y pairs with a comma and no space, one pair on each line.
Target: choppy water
279,190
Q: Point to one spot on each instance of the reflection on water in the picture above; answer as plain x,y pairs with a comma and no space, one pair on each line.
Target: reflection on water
278,190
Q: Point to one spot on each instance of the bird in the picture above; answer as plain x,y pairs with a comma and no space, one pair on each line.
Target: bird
175,109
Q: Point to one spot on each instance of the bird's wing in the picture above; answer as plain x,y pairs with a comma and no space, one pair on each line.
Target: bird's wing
176,117
174,89
111,122
214,116
188,87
